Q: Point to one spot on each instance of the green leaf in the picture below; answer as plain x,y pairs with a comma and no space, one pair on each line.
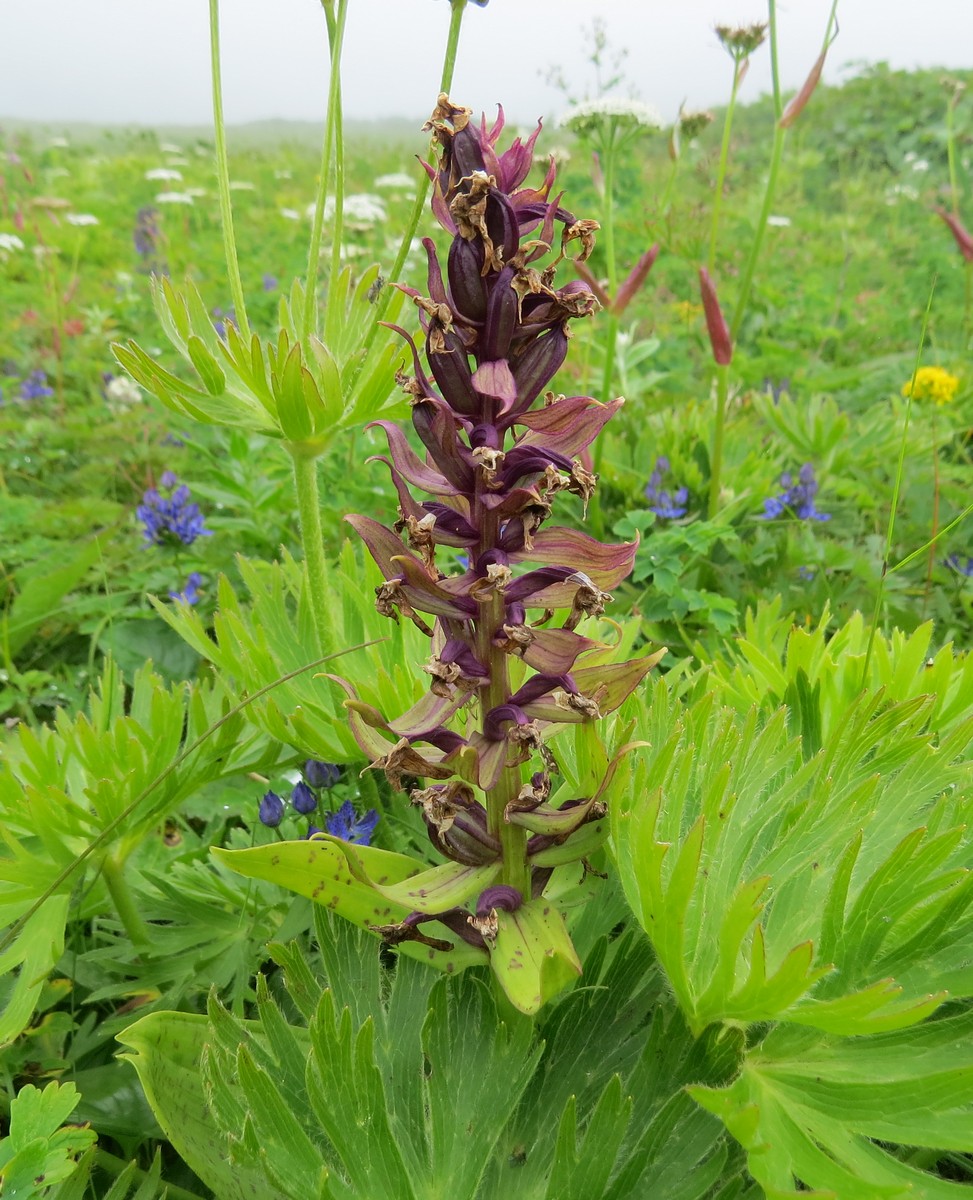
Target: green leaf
38,1152
167,1054
214,381
40,590
532,955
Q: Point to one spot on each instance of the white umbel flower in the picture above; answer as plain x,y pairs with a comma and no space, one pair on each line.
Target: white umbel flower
10,241
782,222
121,393
81,219
163,174
593,114
396,182
173,198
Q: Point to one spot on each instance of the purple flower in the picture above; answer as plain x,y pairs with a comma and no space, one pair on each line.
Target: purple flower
168,518
146,232
956,563
271,810
190,593
321,774
35,387
796,498
269,282
303,799
345,824
666,503
221,319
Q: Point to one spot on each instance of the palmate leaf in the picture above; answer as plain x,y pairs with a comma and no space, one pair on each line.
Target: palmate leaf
776,887
40,1150
272,633
823,1110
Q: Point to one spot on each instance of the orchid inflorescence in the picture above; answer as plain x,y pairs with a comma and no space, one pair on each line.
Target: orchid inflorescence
495,332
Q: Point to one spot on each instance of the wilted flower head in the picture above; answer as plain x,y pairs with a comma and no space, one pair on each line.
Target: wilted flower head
932,383
171,517
797,498
692,124
740,41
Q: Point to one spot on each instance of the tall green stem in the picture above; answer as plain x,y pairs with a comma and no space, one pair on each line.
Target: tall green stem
721,172
716,454
610,326
125,903
223,177
312,540
422,192
336,33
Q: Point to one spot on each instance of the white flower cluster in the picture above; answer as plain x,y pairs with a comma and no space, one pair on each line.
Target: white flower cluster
10,241
73,218
397,182
593,114
163,173
174,198
121,393
360,208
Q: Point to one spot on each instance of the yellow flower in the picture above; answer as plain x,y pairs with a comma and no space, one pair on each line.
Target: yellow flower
932,383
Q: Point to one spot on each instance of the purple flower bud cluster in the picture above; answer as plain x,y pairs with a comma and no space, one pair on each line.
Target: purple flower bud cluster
320,776
797,498
221,319
668,502
168,515
190,593
495,330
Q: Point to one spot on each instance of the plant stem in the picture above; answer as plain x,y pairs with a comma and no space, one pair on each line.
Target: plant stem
223,177
716,455
337,120
896,489
125,904
422,192
312,541
336,37
721,172
611,319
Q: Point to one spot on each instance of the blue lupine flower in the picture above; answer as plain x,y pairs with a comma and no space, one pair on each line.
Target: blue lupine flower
190,593
346,825
165,518
35,387
303,799
271,810
956,563
270,282
666,502
321,774
776,390
798,498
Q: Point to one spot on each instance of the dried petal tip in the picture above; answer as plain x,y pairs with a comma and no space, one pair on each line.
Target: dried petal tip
719,334
799,102
271,810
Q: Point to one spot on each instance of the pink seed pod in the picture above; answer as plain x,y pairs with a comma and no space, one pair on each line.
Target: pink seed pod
719,334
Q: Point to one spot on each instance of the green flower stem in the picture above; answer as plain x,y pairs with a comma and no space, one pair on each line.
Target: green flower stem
338,227
312,540
721,172
719,428
513,838
610,324
951,156
336,33
419,204
223,177
125,904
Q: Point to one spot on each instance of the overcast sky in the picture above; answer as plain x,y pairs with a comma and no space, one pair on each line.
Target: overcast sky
147,61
